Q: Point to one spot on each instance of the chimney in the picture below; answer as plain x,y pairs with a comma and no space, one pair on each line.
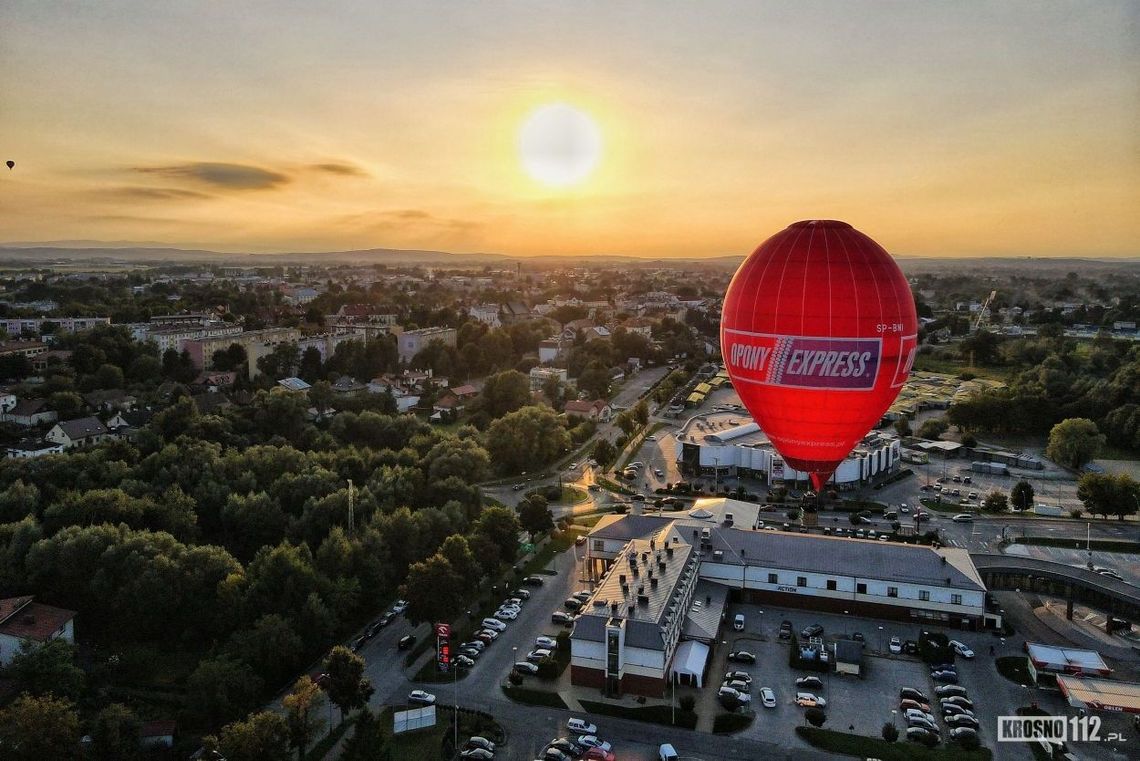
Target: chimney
652,543
669,552
613,608
621,578
653,583
643,600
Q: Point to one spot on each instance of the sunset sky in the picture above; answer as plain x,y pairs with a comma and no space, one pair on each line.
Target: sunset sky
940,129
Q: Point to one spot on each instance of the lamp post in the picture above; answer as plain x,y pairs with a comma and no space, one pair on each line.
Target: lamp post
894,715
880,639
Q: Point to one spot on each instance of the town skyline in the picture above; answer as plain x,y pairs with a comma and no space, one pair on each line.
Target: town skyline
978,130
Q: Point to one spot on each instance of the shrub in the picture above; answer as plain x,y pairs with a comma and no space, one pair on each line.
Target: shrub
723,723
930,740
969,742
1076,513
515,678
890,732
815,716
934,647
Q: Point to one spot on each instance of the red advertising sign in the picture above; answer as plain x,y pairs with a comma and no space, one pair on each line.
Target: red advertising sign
443,646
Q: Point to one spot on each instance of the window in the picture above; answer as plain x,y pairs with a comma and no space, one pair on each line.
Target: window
801,581
892,591
924,595
600,545
955,599
861,588
831,584
772,579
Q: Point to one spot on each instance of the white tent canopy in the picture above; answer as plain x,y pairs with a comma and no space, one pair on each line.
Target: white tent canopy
689,661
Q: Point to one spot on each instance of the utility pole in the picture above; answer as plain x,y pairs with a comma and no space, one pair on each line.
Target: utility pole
351,514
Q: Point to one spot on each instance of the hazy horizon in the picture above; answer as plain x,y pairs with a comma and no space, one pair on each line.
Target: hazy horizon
966,130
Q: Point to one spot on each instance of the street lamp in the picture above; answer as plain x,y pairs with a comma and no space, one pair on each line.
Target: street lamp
880,639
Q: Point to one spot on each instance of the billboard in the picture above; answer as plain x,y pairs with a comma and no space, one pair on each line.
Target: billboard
443,647
414,718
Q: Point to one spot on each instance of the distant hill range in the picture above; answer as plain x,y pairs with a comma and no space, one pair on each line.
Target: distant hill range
78,252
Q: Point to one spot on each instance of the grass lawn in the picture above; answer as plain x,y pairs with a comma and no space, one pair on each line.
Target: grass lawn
421,743
653,714
560,542
318,751
930,364
876,747
572,495
534,697
1015,668
944,506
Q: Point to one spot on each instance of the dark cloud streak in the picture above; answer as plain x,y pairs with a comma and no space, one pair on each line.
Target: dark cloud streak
143,193
222,175
336,167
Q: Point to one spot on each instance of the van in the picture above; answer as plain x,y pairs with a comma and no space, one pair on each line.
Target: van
667,753
738,622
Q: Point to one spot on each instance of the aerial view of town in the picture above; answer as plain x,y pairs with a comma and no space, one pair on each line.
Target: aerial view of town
631,381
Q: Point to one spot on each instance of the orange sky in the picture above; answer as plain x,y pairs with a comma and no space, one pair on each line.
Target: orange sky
939,129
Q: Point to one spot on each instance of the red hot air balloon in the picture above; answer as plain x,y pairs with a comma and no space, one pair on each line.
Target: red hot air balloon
818,334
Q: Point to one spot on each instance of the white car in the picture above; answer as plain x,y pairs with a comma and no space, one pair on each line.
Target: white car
667,753
963,518
546,642
581,725
421,697
592,741
962,649
896,645
399,606
541,654
810,700
738,622
506,615
914,713
767,697
493,624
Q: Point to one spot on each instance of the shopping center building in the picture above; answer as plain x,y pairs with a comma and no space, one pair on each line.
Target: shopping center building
664,578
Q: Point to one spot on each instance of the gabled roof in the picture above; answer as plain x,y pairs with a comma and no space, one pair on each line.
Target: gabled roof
23,618
294,384
26,407
465,390
82,428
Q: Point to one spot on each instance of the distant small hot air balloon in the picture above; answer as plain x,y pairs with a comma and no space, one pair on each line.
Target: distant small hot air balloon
10,164
818,334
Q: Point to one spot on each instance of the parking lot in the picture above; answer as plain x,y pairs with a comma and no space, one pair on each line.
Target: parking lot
859,704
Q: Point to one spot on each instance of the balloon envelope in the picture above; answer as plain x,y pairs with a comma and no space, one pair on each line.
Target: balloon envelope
10,164
818,333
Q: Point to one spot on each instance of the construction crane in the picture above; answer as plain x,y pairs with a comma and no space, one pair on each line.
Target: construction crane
984,312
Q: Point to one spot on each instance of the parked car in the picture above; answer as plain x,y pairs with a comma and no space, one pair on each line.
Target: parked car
738,622
481,742
814,630
533,581
581,726
464,661
915,704
810,700
785,630
738,685
730,698
858,637
487,635
741,656
922,735
953,709
667,753
767,697
949,689
359,643
963,733
478,754
910,647
909,693
474,645
809,683
568,747
597,754
539,655
494,624
506,614
961,720
553,754
572,603
963,518
914,713
738,676
962,649
957,700
944,667
548,642
406,641
559,617
399,606
421,697
948,677
592,741
1110,574
525,667
895,645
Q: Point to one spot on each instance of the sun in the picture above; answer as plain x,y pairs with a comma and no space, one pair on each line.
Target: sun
559,145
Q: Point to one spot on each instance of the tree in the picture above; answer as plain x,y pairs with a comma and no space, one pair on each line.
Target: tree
115,734
109,376
300,713
932,428
604,453
815,716
502,528
902,427
524,439
231,358
457,550
263,735
221,687
594,380
535,515
177,366
1074,442
321,396
890,732
1106,494
433,589
626,422
346,686
995,502
641,413
310,367
47,668
67,403
281,362
367,741
980,348
271,647
504,393
1021,496
38,728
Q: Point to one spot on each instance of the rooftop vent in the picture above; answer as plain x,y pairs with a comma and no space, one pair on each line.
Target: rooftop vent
717,555
728,519
641,589
661,564
613,609
669,552
643,600
652,543
653,583
599,603
632,608
621,578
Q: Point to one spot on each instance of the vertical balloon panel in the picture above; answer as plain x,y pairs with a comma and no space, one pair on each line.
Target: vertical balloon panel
818,333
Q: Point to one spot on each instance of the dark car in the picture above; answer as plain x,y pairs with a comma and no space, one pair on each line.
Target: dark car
950,689
947,677
910,647
909,693
813,630
566,746
358,643
961,720
741,656
533,581
918,734
572,603
944,667
406,641
858,637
